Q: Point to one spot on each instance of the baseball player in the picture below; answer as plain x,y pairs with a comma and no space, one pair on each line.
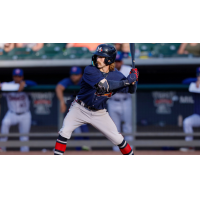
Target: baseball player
193,120
120,105
18,109
100,81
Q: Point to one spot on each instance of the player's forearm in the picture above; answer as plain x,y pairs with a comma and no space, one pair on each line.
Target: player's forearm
59,93
21,86
114,85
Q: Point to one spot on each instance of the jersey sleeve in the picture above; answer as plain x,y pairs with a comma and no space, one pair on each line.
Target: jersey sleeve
124,89
65,83
30,83
92,76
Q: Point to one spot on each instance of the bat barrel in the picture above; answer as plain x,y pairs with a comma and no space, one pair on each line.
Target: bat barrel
132,50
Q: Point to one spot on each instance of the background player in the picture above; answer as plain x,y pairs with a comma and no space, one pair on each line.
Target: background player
120,105
98,84
74,80
193,120
18,109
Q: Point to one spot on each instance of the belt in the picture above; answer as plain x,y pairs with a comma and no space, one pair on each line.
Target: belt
84,105
18,113
120,99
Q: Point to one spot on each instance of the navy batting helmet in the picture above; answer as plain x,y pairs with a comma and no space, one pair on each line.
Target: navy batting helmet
107,51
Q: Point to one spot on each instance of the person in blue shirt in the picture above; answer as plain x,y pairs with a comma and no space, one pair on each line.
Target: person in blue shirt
100,81
74,80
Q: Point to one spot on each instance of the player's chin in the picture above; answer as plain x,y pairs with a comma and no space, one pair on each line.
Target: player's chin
99,66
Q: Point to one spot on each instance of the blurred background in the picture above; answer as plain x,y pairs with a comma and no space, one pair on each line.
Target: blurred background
164,115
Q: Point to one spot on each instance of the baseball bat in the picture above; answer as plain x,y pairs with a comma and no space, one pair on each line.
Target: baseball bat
132,50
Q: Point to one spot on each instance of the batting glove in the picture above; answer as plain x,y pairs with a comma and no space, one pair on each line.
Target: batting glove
136,72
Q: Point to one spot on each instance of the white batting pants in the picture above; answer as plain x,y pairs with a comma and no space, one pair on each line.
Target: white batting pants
122,111
189,123
24,125
78,115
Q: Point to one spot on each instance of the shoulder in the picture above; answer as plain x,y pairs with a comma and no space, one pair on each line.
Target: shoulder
64,82
90,69
30,83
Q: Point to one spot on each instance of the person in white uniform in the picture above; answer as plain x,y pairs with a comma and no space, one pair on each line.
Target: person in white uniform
120,105
18,110
193,120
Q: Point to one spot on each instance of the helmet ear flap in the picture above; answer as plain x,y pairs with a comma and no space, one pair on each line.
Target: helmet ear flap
108,61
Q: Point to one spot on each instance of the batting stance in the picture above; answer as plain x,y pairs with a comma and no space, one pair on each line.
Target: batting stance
100,81
18,109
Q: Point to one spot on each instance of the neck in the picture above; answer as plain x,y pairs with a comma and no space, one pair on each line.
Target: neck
105,69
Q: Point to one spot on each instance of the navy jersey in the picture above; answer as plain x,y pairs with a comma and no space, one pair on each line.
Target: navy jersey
68,82
88,94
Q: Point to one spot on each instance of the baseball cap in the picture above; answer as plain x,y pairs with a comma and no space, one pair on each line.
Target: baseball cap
75,71
18,72
119,57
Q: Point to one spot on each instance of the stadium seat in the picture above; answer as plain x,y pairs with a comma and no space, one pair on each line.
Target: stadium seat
61,45
40,56
45,53
5,57
87,55
20,51
145,47
166,49
51,50
73,53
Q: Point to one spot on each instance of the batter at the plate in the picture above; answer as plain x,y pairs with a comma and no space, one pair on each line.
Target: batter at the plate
100,81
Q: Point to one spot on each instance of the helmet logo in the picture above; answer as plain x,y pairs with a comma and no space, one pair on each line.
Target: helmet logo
99,49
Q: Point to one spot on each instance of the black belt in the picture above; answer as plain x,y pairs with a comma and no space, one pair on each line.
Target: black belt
18,113
86,106
120,99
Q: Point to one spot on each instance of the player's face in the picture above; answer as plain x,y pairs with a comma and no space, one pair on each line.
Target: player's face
76,78
100,62
18,79
118,64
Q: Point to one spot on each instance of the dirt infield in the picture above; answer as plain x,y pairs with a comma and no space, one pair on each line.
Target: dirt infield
103,153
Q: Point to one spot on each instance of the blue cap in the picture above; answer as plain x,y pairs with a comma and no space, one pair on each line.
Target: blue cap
198,70
18,72
119,57
75,71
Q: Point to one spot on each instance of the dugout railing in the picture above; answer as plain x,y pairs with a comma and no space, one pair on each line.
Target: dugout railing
158,112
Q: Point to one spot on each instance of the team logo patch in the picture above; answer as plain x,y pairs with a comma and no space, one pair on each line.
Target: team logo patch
99,49
108,95
74,69
17,71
